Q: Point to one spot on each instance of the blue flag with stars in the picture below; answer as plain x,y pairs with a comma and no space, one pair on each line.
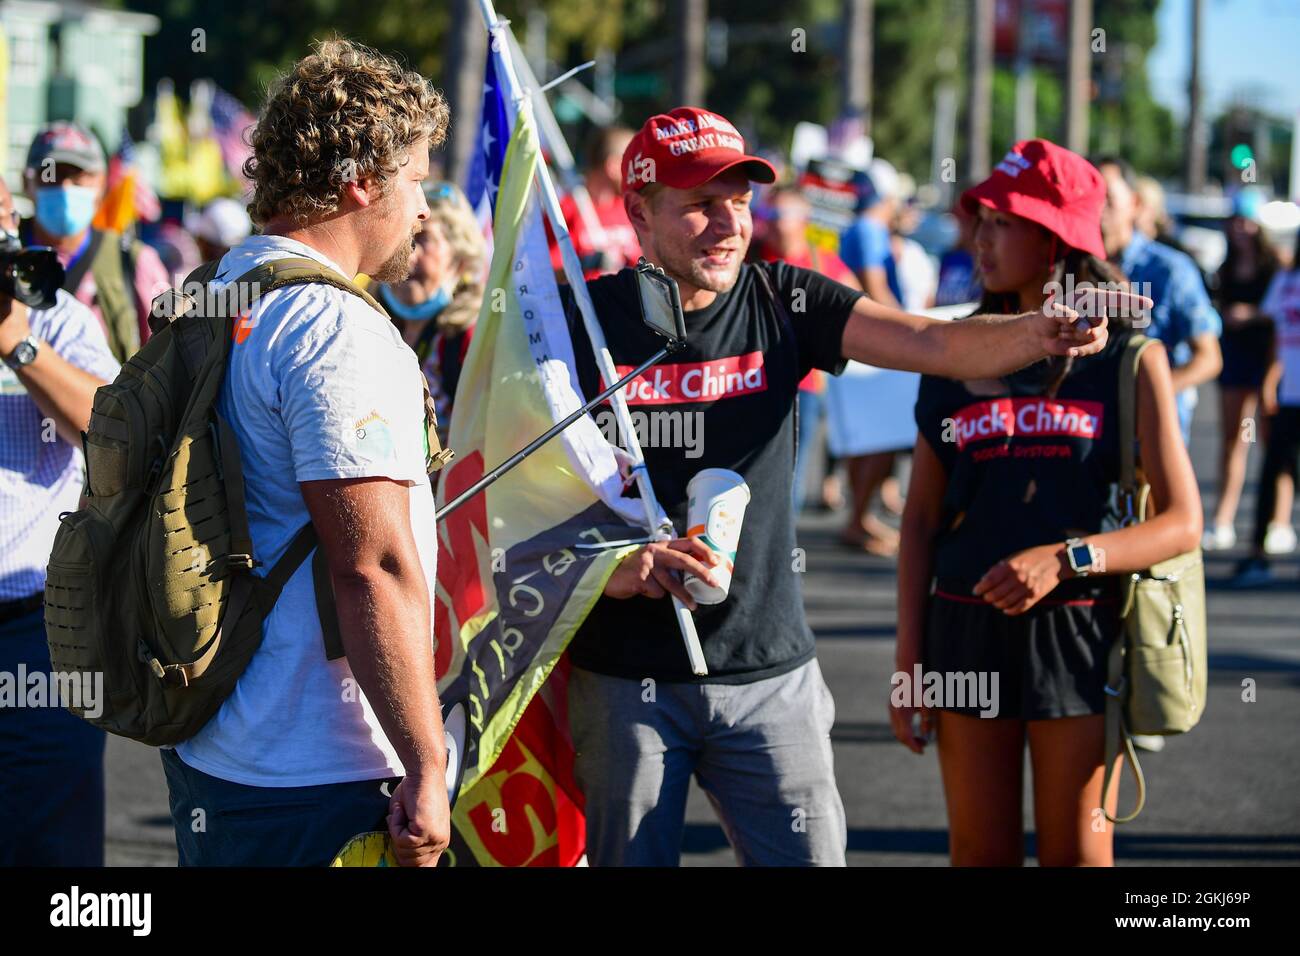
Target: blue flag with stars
494,131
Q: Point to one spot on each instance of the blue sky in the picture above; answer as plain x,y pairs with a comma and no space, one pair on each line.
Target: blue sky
1245,45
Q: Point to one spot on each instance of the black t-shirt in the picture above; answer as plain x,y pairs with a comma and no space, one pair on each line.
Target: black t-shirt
1025,470
739,376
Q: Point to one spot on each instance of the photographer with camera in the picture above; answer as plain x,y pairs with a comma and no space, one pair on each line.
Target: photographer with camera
115,276
54,357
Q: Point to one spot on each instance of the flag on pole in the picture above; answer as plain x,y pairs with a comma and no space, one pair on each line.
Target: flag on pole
169,133
230,126
522,563
484,177
127,195
207,168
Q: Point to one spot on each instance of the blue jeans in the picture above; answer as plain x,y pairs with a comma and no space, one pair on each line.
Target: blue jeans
760,751
51,767
220,823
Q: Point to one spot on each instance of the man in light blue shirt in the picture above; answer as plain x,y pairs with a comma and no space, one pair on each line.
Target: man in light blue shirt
1183,317
864,245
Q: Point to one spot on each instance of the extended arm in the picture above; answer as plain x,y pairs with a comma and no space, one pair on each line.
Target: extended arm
982,346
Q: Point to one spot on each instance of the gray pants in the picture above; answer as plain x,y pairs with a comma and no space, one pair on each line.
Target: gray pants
760,751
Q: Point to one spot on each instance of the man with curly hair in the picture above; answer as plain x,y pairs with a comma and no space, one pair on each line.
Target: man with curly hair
326,402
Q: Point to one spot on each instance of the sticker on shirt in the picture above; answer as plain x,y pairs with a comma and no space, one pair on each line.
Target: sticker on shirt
680,382
373,438
1026,418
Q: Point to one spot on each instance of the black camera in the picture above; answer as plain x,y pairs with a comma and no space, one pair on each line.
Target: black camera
31,274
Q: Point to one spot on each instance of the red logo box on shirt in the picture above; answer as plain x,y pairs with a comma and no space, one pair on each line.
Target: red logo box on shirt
1027,417
696,381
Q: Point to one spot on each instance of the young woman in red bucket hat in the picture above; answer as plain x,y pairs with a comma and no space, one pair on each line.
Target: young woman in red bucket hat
1012,551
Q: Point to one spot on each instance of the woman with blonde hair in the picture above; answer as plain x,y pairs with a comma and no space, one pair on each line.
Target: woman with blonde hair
436,306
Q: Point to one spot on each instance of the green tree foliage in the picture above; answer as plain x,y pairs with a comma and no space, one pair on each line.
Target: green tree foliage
765,83
1126,119
243,45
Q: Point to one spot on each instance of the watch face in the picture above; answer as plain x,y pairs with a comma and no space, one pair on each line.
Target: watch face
1080,556
24,354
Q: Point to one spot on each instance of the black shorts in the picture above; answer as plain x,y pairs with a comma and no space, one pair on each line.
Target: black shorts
1050,661
1245,355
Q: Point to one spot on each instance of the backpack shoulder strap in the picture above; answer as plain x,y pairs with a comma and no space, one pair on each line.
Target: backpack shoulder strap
298,270
1128,371
1118,741
72,279
114,290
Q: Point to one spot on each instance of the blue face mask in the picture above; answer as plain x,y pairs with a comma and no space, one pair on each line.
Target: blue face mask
425,310
65,210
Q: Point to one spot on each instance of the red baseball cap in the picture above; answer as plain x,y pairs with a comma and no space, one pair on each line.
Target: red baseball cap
685,148
1047,184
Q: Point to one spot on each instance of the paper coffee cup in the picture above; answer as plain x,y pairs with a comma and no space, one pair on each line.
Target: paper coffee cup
716,500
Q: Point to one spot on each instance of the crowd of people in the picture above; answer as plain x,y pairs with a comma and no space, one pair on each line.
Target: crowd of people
1010,545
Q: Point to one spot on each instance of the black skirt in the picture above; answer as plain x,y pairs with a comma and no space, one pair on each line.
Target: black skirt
1049,662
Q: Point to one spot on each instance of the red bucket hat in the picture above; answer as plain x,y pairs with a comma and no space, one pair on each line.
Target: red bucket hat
685,148
1047,184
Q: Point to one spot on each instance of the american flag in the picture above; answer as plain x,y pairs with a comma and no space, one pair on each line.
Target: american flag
230,123
495,127
145,200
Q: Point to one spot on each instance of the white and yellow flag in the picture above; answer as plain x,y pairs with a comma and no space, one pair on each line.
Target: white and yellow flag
521,564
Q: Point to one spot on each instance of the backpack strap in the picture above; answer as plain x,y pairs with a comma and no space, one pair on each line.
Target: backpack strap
1117,738
264,279
1128,442
72,278
114,291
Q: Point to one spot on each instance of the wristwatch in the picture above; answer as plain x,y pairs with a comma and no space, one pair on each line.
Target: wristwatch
1081,555
24,353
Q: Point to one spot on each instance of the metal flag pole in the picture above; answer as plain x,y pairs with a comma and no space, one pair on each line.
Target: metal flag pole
498,29
547,435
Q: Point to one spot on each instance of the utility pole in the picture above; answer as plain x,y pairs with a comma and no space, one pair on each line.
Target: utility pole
1078,76
466,54
855,90
1194,168
1026,107
979,110
688,64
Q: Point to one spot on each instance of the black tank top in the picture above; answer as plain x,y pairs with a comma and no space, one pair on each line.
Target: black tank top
1025,470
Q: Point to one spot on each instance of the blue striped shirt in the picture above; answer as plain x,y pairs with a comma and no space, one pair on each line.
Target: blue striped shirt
41,475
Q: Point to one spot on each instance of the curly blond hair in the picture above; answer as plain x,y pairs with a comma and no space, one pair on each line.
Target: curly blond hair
450,212
344,113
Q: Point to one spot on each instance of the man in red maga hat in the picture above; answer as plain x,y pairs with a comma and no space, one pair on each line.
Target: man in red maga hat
755,732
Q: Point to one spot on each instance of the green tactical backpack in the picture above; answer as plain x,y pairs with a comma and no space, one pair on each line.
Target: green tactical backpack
151,583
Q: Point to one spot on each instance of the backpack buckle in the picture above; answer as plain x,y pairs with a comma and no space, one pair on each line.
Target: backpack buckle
438,460
146,656
168,306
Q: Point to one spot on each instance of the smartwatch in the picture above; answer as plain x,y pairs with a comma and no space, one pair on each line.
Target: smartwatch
1081,556
24,353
